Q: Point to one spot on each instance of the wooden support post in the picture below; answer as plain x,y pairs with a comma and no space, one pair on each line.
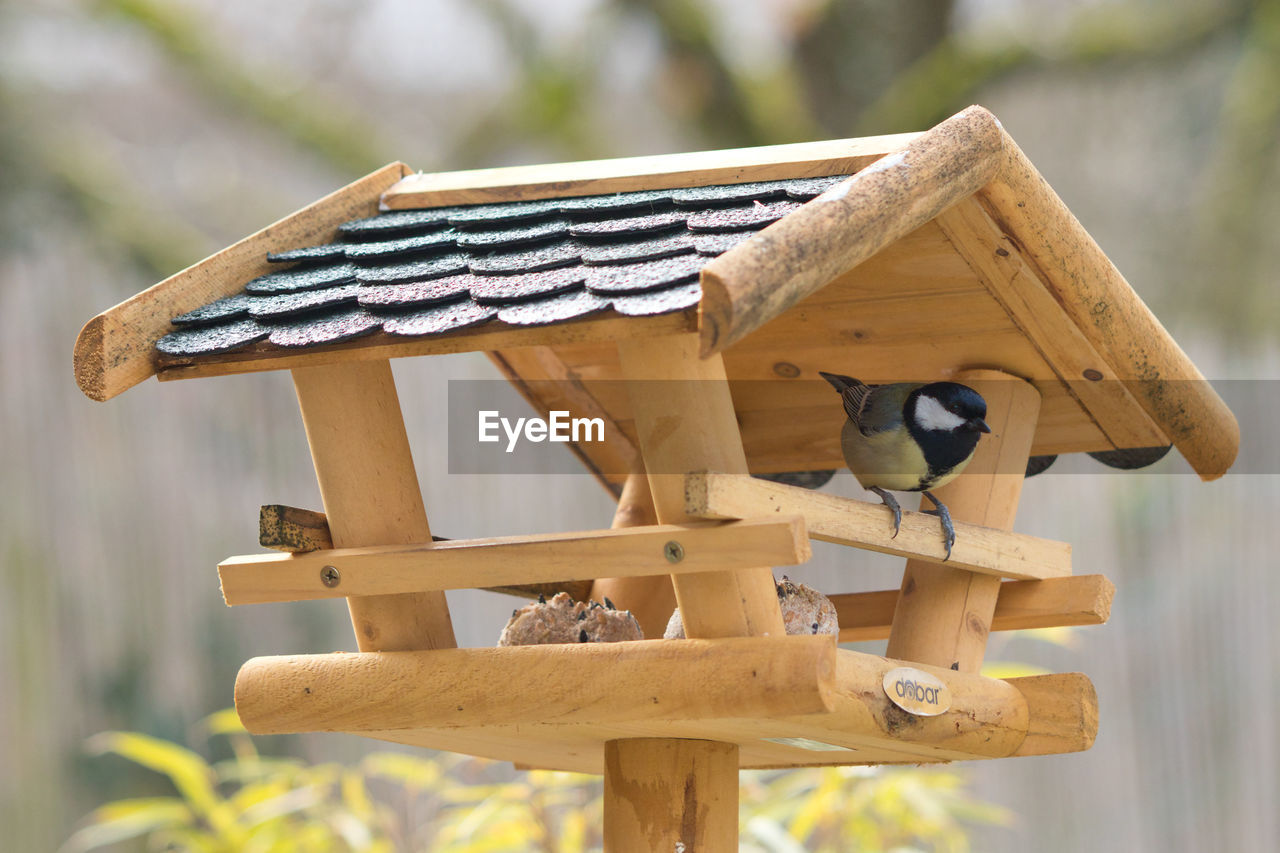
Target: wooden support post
370,491
661,793
650,599
685,421
668,794
944,614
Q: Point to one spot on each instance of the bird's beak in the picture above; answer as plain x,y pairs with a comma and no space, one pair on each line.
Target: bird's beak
979,424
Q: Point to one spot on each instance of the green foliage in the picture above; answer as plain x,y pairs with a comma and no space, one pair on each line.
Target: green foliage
443,803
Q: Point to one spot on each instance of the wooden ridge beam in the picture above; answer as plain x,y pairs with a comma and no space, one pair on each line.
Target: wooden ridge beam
1051,603
538,558
593,177
863,524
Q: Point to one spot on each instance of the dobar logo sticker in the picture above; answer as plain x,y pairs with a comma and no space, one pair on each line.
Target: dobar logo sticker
916,692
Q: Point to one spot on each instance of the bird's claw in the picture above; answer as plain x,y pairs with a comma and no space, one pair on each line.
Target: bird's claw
948,529
892,503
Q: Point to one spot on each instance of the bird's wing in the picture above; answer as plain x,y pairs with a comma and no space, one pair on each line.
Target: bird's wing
879,408
854,396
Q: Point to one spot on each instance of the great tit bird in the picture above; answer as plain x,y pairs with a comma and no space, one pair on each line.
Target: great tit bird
909,437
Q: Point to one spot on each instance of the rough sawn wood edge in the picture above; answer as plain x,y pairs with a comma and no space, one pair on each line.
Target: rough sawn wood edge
116,349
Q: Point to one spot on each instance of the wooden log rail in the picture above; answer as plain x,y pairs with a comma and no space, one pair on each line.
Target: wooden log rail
866,525
663,549
745,691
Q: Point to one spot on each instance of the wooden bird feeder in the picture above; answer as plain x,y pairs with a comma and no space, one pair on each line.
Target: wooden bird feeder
943,255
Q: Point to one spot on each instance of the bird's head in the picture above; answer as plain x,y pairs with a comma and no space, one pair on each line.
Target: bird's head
948,407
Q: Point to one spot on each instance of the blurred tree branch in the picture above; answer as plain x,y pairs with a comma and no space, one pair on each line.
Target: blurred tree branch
345,140
1239,184
946,78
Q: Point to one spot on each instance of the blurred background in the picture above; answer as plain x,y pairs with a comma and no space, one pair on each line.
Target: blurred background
138,136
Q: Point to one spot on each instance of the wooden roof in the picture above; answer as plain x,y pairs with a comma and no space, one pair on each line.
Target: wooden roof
946,251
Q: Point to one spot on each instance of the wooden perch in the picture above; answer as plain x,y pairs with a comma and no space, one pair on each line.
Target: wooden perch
299,531
1056,602
541,558
867,525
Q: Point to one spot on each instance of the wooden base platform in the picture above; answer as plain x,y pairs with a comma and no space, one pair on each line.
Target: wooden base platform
789,701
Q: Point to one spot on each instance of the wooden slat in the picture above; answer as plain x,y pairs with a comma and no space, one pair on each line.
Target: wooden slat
116,349
298,531
582,684
370,492
539,558
698,168
1114,319
999,263
685,422
866,525
380,346
756,281
944,614
670,794
1052,603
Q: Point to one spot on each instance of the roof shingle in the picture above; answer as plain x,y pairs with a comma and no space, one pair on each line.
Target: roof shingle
437,270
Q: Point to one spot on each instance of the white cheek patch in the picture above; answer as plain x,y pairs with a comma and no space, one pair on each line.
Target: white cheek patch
930,415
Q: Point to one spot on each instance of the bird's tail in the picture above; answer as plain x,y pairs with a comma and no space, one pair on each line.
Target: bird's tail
840,382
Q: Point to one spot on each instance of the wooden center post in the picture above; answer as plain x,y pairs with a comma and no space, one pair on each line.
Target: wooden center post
669,793
370,491
943,614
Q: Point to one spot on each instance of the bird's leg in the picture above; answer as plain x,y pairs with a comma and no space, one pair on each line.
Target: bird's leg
948,530
892,503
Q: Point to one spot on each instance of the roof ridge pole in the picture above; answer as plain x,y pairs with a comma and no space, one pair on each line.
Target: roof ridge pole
370,491
943,614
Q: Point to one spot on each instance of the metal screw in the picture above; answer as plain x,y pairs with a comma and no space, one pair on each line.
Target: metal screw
673,551
330,576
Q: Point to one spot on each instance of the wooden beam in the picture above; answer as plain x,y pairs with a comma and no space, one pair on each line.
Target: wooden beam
1057,602
772,697
297,531
650,599
1063,713
539,558
116,349
997,261
578,684
756,281
669,794
593,177
370,491
863,524
685,422
1111,315
944,614
607,327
